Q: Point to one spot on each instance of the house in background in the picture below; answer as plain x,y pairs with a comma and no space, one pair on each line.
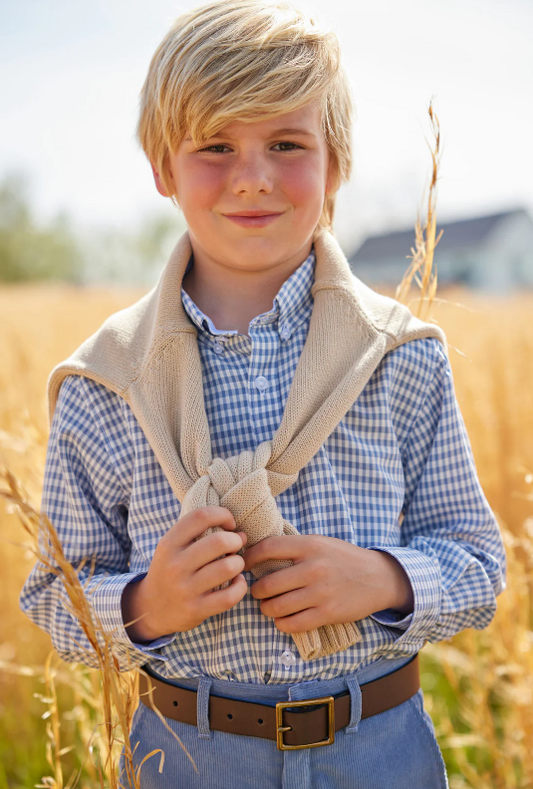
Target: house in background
493,253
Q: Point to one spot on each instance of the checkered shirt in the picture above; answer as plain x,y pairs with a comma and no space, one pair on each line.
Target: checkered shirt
396,475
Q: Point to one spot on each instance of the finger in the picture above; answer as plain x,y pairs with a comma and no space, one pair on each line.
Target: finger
216,573
286,547
301,622
224,599
208,549
288,604
192,525
278,582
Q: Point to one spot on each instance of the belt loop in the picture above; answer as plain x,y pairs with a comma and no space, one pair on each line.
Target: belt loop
356,705
202,707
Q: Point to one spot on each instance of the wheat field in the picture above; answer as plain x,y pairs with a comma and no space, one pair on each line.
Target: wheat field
478,686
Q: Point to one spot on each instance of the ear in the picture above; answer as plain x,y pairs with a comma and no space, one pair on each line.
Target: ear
160,186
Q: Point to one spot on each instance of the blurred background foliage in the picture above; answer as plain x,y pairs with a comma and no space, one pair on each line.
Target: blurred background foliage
59,250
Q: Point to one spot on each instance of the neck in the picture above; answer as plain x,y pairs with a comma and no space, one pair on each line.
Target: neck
233,297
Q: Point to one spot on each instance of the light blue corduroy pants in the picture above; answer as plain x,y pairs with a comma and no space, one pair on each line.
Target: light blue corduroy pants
396,749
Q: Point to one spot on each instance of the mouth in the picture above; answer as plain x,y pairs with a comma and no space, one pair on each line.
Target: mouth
253,218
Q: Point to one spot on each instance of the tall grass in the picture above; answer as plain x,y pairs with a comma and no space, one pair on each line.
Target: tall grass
64,725
117,692
94,708
489,740
478,686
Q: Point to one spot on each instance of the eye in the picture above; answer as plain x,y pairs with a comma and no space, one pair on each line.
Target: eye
288,146
213,149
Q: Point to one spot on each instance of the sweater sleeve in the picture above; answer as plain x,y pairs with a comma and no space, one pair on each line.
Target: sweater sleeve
87,503
451,546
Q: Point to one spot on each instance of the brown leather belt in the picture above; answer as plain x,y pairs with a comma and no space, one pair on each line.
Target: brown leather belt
292,724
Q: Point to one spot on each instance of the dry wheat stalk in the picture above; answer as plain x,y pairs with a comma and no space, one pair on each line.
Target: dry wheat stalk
118,690
421,268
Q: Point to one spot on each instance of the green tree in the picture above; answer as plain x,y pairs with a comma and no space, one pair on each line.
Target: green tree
29,251
60,251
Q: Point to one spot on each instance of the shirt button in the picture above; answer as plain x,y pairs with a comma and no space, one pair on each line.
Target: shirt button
285,333
261,383
218,348
288,658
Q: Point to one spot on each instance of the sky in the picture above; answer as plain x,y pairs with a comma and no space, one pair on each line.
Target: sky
71,72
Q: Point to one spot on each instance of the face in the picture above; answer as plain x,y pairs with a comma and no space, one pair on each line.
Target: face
253,194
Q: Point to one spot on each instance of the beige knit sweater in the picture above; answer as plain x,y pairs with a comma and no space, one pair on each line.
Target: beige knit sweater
148,354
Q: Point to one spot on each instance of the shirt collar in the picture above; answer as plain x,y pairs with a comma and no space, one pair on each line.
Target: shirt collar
292,304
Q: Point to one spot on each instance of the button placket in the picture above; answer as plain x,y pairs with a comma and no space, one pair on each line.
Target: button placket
263,381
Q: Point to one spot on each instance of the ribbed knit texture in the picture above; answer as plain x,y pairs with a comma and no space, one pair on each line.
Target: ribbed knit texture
149,355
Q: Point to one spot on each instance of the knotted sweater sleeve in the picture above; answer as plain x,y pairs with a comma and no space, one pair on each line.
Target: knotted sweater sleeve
451,546
87,503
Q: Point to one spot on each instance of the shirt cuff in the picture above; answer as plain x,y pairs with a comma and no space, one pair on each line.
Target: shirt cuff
106,602
424,575
392,618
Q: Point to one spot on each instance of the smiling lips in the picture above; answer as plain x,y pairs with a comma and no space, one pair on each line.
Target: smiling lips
257,218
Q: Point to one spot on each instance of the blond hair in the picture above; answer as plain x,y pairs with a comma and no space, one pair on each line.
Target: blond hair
244,60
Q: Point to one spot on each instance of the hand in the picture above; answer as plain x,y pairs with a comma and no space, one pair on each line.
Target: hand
330,582
177,592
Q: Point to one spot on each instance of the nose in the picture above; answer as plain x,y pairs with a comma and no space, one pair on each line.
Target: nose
252,175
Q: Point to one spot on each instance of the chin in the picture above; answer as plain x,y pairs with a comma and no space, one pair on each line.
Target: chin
260,248
281,243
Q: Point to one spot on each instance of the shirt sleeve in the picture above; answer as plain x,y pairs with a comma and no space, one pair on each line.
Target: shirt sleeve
87,503
451,547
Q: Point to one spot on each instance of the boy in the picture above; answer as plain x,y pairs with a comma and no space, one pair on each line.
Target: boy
266,457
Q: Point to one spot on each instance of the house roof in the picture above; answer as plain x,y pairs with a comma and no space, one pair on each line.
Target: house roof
458,234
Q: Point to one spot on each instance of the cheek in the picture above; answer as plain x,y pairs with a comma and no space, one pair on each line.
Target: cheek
304,184
199,187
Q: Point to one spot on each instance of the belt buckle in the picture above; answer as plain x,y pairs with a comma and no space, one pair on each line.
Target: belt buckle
281,705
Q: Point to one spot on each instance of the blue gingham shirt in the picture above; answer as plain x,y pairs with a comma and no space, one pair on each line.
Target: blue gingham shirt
397,474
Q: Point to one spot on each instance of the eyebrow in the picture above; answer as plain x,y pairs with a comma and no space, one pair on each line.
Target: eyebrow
292,131
275,133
